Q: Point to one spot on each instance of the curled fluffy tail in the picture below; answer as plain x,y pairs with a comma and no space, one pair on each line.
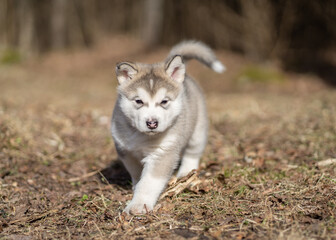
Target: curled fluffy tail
197,50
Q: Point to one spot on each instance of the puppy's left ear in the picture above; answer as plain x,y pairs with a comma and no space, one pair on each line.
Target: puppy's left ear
175,69
125,71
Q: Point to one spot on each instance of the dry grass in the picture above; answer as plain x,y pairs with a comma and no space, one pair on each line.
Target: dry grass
259,177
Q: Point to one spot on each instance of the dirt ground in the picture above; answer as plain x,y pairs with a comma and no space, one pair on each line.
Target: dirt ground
268,171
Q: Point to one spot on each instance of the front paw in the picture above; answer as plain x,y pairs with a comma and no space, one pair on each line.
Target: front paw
138,208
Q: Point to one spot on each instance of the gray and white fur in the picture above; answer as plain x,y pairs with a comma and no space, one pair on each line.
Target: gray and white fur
160,122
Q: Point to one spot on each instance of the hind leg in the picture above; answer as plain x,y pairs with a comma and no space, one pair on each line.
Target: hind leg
193,152
189,163
134,168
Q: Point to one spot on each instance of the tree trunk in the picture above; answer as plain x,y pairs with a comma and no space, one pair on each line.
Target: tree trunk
258,28
153,22
58,24
26,27
83,23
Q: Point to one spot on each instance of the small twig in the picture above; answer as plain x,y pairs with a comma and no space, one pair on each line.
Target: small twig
75,179
320,179
101,234
212,230
102,198
247,220
37,217
179,186
68,230
108,183
139,229
145,206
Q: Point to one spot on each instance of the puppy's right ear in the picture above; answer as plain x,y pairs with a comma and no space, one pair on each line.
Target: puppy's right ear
125,71
175,69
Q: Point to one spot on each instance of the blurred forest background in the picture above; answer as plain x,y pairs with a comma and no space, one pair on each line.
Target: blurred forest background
300,34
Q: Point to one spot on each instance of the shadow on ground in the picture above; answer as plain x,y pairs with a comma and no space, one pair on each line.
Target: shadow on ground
116,174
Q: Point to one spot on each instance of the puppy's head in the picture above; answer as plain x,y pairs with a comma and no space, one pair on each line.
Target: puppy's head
150,95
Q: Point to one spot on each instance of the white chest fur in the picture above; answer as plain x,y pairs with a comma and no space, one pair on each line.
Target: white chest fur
141,145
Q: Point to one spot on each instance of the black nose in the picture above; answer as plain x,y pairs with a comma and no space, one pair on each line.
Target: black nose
152,123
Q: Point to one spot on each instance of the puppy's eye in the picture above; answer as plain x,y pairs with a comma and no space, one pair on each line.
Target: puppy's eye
164,102
139,101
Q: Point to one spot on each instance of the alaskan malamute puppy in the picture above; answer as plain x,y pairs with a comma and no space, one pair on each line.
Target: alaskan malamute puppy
160,121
